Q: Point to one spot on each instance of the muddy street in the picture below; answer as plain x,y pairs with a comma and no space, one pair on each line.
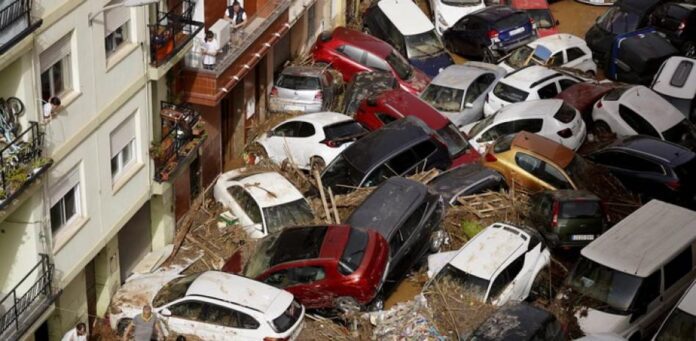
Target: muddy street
576,18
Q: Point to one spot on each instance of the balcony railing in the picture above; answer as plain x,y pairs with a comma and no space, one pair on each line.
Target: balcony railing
240,39
173,30
182,133
20,308
21,163
15,22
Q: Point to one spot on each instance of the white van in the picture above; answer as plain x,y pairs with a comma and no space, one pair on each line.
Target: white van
634,273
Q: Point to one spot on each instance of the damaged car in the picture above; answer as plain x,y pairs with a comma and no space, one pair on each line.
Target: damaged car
306,89
676,82
557,50
264,202
363,85
324,267
519,321
212,305
466,180
636,56
409,217
498,265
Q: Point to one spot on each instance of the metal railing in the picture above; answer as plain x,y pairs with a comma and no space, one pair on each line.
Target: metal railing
172,31
15,11
20,312
240,39
17,162
178,123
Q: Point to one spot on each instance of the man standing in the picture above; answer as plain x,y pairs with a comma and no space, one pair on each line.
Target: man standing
210,50
79,333
143,325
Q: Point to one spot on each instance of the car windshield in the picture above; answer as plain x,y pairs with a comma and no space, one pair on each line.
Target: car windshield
456,143
481,125
520,57
298,82
400,66
288,318
461,2
341,176
355,250
443,98
679,326
262,256
422,45
509,93
173,290
512,21
542,17
293,213
580,209
342,130
475,285
681,133
613,290
682,104
617,21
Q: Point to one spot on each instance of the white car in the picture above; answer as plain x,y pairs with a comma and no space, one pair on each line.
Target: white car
558,50
311,140
264,202
633,110
526,84
447,12
676,82
681,322
212,305
500,264
551,118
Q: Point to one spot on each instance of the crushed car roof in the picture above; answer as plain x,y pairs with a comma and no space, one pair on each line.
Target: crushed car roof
408,18
671,153
362,40
307,71
512,322
450,183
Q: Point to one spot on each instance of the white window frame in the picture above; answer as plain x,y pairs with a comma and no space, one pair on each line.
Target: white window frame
123,144
116,22
57,54
72,180
121,163
124,31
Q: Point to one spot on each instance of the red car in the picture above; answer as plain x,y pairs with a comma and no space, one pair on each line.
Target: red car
583,97
333,266
392,105
350,52
539,11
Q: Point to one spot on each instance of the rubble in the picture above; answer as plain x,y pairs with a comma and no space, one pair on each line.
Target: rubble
409,320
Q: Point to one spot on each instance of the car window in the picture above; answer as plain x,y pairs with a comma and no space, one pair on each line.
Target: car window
649,290
637,122
298,82
289,129
306,130
403,161
681,73
226,317
352,53
554,177
574,53
628,162
678,267
189,310
385,118
548,91
506,277
461,24
478,87
566,83
509,93
528,162
294,276
410,225
424,149
246,202
556,59
532,125
375,62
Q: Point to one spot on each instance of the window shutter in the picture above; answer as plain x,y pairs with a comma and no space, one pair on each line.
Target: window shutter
64,185
122,135
115,18
55,52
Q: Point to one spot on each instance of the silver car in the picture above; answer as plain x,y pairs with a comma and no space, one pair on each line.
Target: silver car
459,91
307,89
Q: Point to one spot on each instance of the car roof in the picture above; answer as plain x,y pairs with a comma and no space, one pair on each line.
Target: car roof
307,71
513,321
529,4
523,78
642,242
645,101
558,41
666,76
270,189
389,204
380,144
583,95
408,18
408,104
570,194
541,108
362,40
551,150
322,118
688,302
236,289
492,248
494,13
296,243
451,182
459,76
670,153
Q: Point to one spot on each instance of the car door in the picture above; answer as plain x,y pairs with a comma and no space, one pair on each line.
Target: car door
187,317
279,143
541,174
352,61
227,323
304,145
577,59
637,123
475,95
548,90
503,287
407,242
637,174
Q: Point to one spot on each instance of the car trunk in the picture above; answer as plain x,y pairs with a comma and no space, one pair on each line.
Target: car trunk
580,220
298,88
513,28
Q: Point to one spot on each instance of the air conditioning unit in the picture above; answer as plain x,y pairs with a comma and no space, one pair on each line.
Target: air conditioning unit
221,29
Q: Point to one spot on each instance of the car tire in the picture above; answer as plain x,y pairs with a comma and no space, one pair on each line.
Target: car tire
689,49
601,128
317,163
122,325
346,304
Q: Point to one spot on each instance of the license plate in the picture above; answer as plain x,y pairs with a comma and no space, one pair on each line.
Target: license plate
517,31
582,237
294,108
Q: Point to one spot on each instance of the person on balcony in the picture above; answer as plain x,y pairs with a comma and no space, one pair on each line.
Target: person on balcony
236,15
210,50
50,108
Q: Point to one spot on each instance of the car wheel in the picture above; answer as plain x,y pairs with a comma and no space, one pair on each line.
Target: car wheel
317,163
345,304
122,325
601,128
488,56
255,152
689,49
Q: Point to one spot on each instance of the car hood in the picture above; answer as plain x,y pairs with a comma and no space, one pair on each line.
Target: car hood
141,290
596,321
452,14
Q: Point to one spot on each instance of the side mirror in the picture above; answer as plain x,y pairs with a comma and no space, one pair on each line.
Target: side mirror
468,105
165,312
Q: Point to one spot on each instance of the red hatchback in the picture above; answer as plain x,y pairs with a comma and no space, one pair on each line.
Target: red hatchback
392,105
540,12
350,52
333,266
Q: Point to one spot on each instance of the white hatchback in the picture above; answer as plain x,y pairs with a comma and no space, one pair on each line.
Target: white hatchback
500,264
311,140
557,50
551,118
447,12
211,305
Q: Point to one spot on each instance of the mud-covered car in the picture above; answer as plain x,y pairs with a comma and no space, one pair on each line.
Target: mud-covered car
212,305
306,89
365,84
466,180
519,322
637,56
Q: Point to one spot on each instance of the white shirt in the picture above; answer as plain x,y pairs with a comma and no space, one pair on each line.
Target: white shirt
210,47
71,335
47,108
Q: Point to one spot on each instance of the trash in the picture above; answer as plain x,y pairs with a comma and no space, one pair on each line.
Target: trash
407,320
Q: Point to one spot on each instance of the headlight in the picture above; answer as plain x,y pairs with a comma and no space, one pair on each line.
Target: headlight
441,20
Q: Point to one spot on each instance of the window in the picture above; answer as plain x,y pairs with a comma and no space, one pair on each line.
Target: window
574,53
527,162
548,91
56,69
189,310
246,202
681,73
115,29
554,177
424,149
227,317
637,122
566,83
65,209
403,161
505,277
306,130
289,129
122,147
353,53
411,224
649,290
532,125
678,267
478,87
293,276
556,59
385,118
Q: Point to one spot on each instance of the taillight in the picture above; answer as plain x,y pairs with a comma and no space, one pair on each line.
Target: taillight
274,92
673,185
318,96
492,34
490,157
554,220
682,25
330,143
565,133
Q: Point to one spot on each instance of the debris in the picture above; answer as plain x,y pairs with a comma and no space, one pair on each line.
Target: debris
407,320
485,205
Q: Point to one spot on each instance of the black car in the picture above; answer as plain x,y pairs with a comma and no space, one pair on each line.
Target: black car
466,180
400,148
365,84
625,16
636,56
408,216
677,21
519,322
652,168
490,33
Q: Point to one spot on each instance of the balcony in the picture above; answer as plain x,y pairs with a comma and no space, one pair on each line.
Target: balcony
25,303
182,134
172,35
21,162
15,22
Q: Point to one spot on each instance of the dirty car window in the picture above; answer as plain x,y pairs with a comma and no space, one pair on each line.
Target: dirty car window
173,290
477,286
355,250
293,213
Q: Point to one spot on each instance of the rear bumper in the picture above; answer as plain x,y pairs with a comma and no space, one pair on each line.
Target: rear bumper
279,105
504,47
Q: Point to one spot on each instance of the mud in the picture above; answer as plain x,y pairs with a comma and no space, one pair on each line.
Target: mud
575,18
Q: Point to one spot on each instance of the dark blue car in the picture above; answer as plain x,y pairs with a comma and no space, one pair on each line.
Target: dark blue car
490,33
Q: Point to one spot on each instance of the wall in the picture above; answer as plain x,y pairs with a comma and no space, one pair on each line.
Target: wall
20,245
72,309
